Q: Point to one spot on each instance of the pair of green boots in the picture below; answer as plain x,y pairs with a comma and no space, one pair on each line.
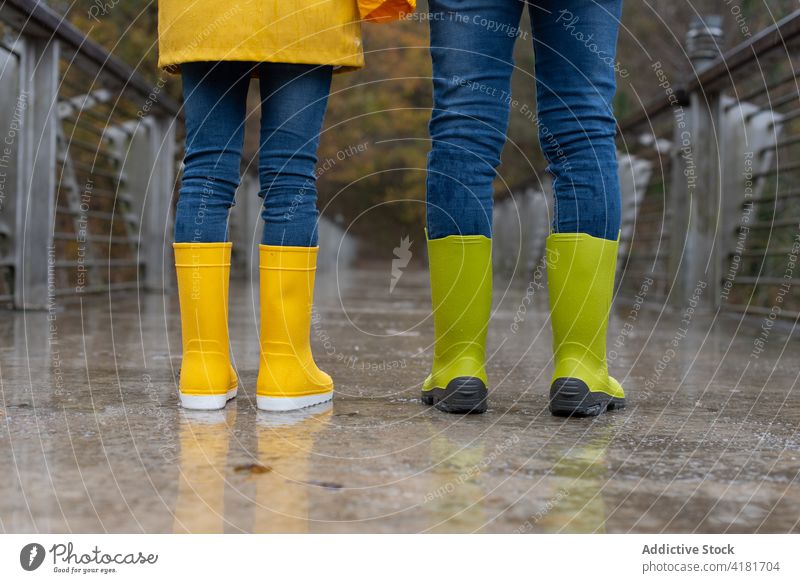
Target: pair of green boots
580,272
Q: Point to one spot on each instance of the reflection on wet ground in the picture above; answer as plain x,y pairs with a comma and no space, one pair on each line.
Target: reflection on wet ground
92,438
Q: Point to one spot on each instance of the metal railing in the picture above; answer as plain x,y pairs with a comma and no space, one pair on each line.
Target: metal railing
713,170
87,171
87,164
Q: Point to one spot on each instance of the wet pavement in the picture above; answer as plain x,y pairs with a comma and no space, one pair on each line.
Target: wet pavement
92,439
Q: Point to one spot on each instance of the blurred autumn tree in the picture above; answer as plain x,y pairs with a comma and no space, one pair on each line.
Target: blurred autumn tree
376,127
655,31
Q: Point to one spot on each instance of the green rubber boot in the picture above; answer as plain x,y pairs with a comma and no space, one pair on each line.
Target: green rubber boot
580,275
461,290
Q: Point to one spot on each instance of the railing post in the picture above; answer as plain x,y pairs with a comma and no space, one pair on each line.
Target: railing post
155,243
634,178
695,182
748,134
35,216
245,227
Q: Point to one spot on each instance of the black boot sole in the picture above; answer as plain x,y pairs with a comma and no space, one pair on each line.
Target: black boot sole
570,397
462,395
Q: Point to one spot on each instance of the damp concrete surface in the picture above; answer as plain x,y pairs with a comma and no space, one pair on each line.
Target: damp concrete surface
92,438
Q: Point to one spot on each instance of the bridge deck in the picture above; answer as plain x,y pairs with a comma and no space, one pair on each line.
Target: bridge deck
92,438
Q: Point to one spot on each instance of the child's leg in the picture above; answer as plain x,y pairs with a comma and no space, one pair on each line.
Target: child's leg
293,106
215,101
294,98
214,104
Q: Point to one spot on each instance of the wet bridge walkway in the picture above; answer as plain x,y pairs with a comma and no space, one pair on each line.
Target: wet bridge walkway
703,333
93,438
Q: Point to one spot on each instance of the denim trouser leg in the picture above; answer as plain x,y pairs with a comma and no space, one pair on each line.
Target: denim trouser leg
575,48
215,102
472,65
471,48
215,99
294,98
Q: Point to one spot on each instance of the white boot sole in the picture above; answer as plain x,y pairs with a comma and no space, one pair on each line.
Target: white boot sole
291,403
207,402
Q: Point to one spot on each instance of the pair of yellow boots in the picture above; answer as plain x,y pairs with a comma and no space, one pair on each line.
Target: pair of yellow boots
288,377
580,273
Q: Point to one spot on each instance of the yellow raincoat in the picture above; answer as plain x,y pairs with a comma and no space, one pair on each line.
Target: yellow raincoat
315,32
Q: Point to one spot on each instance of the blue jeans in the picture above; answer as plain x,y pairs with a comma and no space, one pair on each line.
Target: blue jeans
293,102
472,43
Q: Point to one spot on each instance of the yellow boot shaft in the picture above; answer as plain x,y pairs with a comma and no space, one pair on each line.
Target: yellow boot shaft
288,377
203,272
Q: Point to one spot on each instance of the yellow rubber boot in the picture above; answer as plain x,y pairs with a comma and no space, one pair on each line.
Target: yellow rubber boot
461,291
580,275
288,377
207,379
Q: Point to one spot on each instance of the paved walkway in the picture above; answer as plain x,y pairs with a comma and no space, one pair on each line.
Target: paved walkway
91,438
